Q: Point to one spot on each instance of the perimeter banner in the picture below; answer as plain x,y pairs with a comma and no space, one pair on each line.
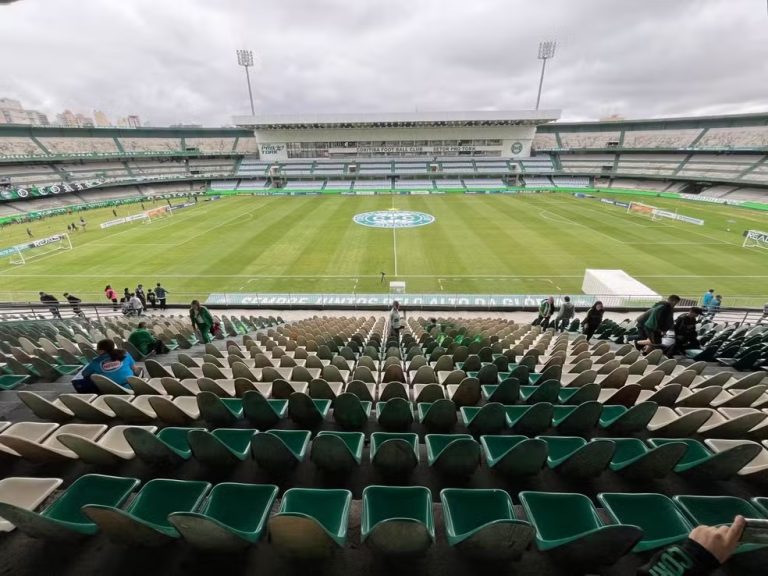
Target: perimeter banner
29,245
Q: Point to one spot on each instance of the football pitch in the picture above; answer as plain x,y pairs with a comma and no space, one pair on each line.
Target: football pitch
485,244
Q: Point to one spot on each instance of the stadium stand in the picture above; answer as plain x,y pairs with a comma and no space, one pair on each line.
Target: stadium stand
487,404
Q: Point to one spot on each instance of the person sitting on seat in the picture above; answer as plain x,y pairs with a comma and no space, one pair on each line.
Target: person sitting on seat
112,362
145,341
593,320
685,332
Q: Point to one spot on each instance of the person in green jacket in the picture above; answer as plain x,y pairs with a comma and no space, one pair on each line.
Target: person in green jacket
653,323
145,341
201,320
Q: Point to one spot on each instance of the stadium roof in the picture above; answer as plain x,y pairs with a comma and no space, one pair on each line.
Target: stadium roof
398,119
675,123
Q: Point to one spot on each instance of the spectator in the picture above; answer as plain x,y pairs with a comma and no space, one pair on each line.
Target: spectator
395,325
714,306
145,341
706,300
546,308
653,323
161,294
201,320
52,302
112,362
151,298
141,296
135,307
706,548
592,320
111,295
74,301
685,332
564,314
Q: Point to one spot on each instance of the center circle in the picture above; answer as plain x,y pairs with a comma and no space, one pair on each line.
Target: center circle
393,219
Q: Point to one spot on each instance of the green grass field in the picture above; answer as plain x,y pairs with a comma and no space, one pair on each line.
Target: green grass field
489,244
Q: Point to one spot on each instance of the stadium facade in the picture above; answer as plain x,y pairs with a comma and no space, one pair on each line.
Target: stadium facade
406,135
717,158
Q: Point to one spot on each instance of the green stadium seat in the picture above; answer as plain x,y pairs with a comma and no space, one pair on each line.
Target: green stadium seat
394,454
635,460
219,411
221,448
145,521
261,412
579,395
364,391
576,420
529,420
350,412
661,521
337,452
507,392
395,415
280,451
437,416
488,419
63,520
514,456
169,447
575,457
397,521
311,523
549,373
12,381
719,511
569,528
482,524
547,391
453,454
424,392
622,420
698,460
305,411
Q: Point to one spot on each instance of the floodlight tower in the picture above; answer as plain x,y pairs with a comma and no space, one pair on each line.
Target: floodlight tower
546,51
245,59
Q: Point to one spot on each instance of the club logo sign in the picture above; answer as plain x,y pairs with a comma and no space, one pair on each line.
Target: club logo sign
393,219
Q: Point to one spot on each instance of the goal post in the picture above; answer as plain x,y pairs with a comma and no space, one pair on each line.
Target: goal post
640,208
22,253
755,239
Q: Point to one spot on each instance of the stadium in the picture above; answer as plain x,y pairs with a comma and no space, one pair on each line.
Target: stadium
457,342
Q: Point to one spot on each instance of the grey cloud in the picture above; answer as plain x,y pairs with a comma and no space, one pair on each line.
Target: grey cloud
173,60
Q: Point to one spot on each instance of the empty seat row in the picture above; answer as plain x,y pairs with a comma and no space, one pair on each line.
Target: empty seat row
395,521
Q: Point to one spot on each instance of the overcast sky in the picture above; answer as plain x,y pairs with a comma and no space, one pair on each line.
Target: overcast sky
173,61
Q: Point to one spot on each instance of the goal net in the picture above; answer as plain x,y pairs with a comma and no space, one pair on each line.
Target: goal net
755,239
22,253
640,208
156,213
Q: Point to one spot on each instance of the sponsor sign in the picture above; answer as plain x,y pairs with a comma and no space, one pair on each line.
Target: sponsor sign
273,151
124,220
700,198
757,235
465,301
393,219
689,220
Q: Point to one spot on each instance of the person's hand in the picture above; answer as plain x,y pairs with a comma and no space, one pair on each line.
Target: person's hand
720,541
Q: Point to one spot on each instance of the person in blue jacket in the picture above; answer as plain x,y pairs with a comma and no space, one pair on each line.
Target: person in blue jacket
112,362
706,300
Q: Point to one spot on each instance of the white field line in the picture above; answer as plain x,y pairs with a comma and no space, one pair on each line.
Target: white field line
565,220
